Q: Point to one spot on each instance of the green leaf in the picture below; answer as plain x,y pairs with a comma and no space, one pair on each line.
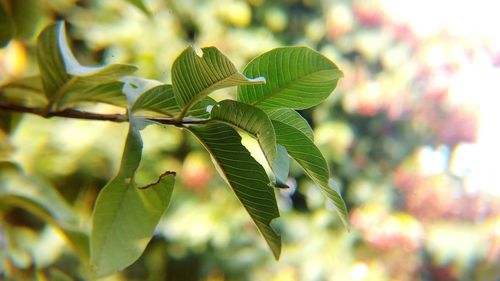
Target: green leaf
65,81
292,118
303,150
194,76
110,93
7,26
161,99
251,120
125,216
50,61
297,77
281,167
26,91
199,110
246,177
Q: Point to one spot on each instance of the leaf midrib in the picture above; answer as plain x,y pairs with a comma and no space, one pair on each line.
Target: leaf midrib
265,221
115,214
286,85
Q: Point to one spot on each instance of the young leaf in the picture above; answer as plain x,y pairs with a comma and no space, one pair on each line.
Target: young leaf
303,150
65,81
161,99
246,177
194,76
250,119
125,216
292,118
298,78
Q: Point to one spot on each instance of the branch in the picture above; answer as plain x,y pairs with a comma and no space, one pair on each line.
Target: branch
77,114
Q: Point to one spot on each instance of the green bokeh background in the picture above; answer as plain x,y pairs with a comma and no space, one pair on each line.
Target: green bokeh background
403,143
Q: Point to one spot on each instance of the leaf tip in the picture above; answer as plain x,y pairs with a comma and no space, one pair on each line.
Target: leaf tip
197,50
258,80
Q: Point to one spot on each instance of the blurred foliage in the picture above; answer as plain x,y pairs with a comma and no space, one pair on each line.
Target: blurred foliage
400,136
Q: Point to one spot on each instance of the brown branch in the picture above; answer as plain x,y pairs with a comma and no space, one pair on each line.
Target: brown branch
77,114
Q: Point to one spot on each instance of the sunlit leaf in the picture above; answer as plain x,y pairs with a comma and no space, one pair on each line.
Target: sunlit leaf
194,76
298,78
251,120
305,152
292,118
65,81
26,91
126,216
246,177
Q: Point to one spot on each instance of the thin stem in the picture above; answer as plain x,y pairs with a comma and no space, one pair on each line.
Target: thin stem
77,114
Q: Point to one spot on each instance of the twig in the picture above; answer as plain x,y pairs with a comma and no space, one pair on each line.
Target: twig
77,114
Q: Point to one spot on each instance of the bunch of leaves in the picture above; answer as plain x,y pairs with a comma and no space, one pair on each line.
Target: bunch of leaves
269,91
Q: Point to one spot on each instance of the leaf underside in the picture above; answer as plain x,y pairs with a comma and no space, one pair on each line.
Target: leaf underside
161,99
246,177
65,82
194,77
281,167
252,120
305,152
125,216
